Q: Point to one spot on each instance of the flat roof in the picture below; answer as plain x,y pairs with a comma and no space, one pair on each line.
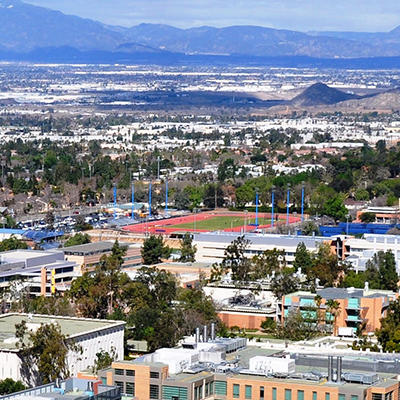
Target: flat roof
90,248
70,326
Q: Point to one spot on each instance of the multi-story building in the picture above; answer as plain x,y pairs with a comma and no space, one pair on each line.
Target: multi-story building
211,246
356,306
227,370
359,250
87,256
89,334
41,272
69,389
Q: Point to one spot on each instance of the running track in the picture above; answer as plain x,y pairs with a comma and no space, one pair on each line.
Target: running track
168,226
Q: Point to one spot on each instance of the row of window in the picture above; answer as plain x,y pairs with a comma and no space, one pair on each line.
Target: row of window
248,391
208,390
131,372
128,388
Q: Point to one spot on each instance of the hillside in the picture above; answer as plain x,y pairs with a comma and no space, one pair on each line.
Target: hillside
26,29
320,94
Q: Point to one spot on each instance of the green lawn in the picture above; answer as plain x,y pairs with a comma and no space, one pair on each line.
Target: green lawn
220,223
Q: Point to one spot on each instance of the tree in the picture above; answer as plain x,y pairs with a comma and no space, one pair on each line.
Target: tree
326,267
283,284
302,259
96,293
12,243
77,239
104,359
213,196
389,333
154,250
381,271
296,327
309,228
268,325
368,217
8,386
234,261
268,262
227,170
188,251
354,279
46,349
334,207
333,308
49,219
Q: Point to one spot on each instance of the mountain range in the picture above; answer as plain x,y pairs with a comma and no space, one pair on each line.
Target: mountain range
26,29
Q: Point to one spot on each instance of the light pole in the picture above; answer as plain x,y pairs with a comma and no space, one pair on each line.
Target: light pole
115,201
150,200
288,204
166,198
273,204
302,202
257,195
133,201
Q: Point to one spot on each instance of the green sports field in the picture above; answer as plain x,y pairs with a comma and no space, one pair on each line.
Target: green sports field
220,223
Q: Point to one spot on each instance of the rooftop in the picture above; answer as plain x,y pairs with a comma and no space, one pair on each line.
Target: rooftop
70,389
91,248
70,326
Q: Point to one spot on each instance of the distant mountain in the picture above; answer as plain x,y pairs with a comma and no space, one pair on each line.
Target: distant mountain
321,94
247,40
389,100
26,29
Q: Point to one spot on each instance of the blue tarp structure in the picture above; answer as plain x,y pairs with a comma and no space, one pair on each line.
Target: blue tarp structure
39,236
356,229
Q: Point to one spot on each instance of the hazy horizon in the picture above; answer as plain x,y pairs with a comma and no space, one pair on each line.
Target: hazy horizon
339,15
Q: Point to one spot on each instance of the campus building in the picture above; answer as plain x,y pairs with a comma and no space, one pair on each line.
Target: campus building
356,306
359,250
39,272
91,335
87,256
69,389
211,246
227,369
246,306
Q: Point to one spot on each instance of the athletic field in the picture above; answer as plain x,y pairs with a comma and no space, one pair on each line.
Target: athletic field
210,221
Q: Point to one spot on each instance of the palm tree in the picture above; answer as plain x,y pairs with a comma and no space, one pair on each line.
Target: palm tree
318,302
333,307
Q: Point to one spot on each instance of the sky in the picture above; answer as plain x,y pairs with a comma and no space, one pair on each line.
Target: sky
302,15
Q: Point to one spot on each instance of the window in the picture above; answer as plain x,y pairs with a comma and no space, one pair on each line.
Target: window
119,372
154,375
376,396
388,396
154,392
130,388
300,395
342,397
248,391
314,395
288,394
273,393
120,385
262,393
220,388
207,389
211,387
354,397
130,372
236,391
327,396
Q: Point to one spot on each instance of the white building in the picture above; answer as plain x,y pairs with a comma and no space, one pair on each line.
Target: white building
90,334
211,246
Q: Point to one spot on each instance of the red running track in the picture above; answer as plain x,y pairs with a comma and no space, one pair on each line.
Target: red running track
168,226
